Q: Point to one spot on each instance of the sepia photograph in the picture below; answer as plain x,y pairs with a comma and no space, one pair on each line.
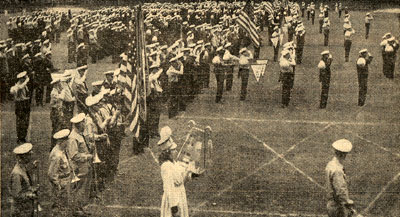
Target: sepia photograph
202,108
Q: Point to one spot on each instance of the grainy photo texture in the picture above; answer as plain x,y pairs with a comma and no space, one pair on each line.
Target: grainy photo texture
179,108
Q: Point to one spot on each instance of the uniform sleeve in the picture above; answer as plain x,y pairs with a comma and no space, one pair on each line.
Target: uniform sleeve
340,187
53,170
16,189
74,153
167,175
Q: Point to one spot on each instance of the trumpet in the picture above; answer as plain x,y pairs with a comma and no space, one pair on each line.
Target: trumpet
75,178
96,159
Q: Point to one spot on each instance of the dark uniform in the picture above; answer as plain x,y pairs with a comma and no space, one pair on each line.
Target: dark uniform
389,51
21,94
362,73
300,39
325,77
219,75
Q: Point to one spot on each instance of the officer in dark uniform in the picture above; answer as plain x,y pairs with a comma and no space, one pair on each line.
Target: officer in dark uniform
363,62
300,39
325,77
21,94
49,68
39,80
153,101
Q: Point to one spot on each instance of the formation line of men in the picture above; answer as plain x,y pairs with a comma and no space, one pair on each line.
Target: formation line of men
186,43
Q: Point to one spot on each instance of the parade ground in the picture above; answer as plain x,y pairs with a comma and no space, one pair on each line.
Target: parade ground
266,160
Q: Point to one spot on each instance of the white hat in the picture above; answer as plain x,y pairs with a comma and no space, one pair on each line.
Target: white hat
243,50
325,52
109,72
219,48
46,41
21,75
363,51
62,134
78,118
82,67
38,54
25,56
48,53
23,149
80,45
92,100
97,83
165,133
342,145
391,39
227,45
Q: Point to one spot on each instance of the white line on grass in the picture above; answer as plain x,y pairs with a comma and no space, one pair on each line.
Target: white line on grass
233,212
262,166
282,157
384,189
291,121
373,143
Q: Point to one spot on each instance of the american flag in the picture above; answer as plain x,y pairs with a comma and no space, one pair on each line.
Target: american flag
245,20
133,79
127,78
269,8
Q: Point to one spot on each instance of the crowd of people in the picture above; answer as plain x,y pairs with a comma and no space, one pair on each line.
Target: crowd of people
185,44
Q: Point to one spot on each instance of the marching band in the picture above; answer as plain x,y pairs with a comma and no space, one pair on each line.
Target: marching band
186,43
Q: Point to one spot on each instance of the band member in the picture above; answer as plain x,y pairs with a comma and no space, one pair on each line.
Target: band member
21,94
219,73
300,41
22,188
286,76
60,174
174,72
363,62
339,203
228,62
368,18
96,136
325,77
78,152
275,39
325,28
244,70
153,101
389,50
348,32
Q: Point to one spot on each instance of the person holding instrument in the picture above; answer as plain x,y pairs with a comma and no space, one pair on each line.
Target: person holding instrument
78,151
173,174
22,189
60,175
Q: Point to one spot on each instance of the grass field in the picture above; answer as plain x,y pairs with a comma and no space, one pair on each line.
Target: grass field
267,161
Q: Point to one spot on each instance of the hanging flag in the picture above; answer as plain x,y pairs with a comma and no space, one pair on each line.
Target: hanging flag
245,21
269,8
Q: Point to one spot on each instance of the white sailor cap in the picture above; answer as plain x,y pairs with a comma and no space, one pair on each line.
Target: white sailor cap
78,118
80,45
23,149
21,75
48,53
342,145
97,83
363,51
347,26
62,134
325,52
25,56
38,54
84,67
219,48
92,100
46,41
109,72
227,45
